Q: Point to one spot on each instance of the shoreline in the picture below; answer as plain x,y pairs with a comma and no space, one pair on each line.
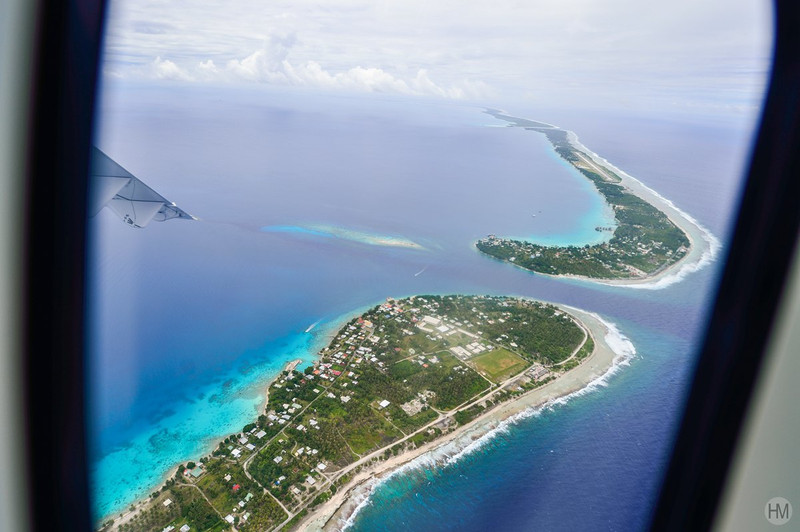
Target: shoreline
596,366
119,518
703,245
290,366
338,512
322,337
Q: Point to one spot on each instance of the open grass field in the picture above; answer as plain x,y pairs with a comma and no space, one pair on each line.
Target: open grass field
499,364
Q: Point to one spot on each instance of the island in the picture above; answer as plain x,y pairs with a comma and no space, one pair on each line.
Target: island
394,382
645,241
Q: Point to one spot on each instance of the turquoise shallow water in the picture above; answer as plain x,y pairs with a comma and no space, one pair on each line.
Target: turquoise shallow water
190,427
595,213
344,233
295,229
192,318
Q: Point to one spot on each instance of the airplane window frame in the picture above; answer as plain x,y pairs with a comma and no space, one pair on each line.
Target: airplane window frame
749,292
66,58
68,44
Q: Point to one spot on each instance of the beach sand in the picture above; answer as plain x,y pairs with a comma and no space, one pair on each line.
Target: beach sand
334,513
121,518
703,246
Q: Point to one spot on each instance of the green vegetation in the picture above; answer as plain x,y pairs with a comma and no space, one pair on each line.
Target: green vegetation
390,378
644,241
393,379
176,505
584,352
463,417
500,364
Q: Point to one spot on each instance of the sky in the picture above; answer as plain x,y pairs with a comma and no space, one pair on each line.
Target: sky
696,56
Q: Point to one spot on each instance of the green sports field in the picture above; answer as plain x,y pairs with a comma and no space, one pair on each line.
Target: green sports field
499,364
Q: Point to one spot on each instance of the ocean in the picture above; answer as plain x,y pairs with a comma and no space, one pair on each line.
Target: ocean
189,320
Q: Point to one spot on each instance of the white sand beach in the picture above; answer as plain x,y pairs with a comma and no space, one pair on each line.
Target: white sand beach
611,349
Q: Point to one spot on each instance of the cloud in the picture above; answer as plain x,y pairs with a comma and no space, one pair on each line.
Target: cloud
152,28
271,65
166,69
537,51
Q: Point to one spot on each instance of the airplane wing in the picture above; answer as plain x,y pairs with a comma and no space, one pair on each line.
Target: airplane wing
132,200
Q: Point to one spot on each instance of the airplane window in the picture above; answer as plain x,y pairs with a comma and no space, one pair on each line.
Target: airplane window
406,266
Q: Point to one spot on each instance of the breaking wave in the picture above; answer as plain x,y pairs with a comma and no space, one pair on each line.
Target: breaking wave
713,244
454,450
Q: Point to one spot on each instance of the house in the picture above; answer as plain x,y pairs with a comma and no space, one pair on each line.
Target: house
383,404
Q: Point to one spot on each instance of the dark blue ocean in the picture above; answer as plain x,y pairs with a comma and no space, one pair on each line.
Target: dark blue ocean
190,319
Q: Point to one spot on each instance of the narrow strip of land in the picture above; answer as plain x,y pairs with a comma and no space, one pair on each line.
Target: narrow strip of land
650,238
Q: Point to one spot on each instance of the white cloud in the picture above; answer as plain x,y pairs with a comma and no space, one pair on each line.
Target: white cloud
545,49
208,69
166,69
271,65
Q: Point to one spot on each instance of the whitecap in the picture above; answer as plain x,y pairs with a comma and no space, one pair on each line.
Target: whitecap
452,451
713,244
